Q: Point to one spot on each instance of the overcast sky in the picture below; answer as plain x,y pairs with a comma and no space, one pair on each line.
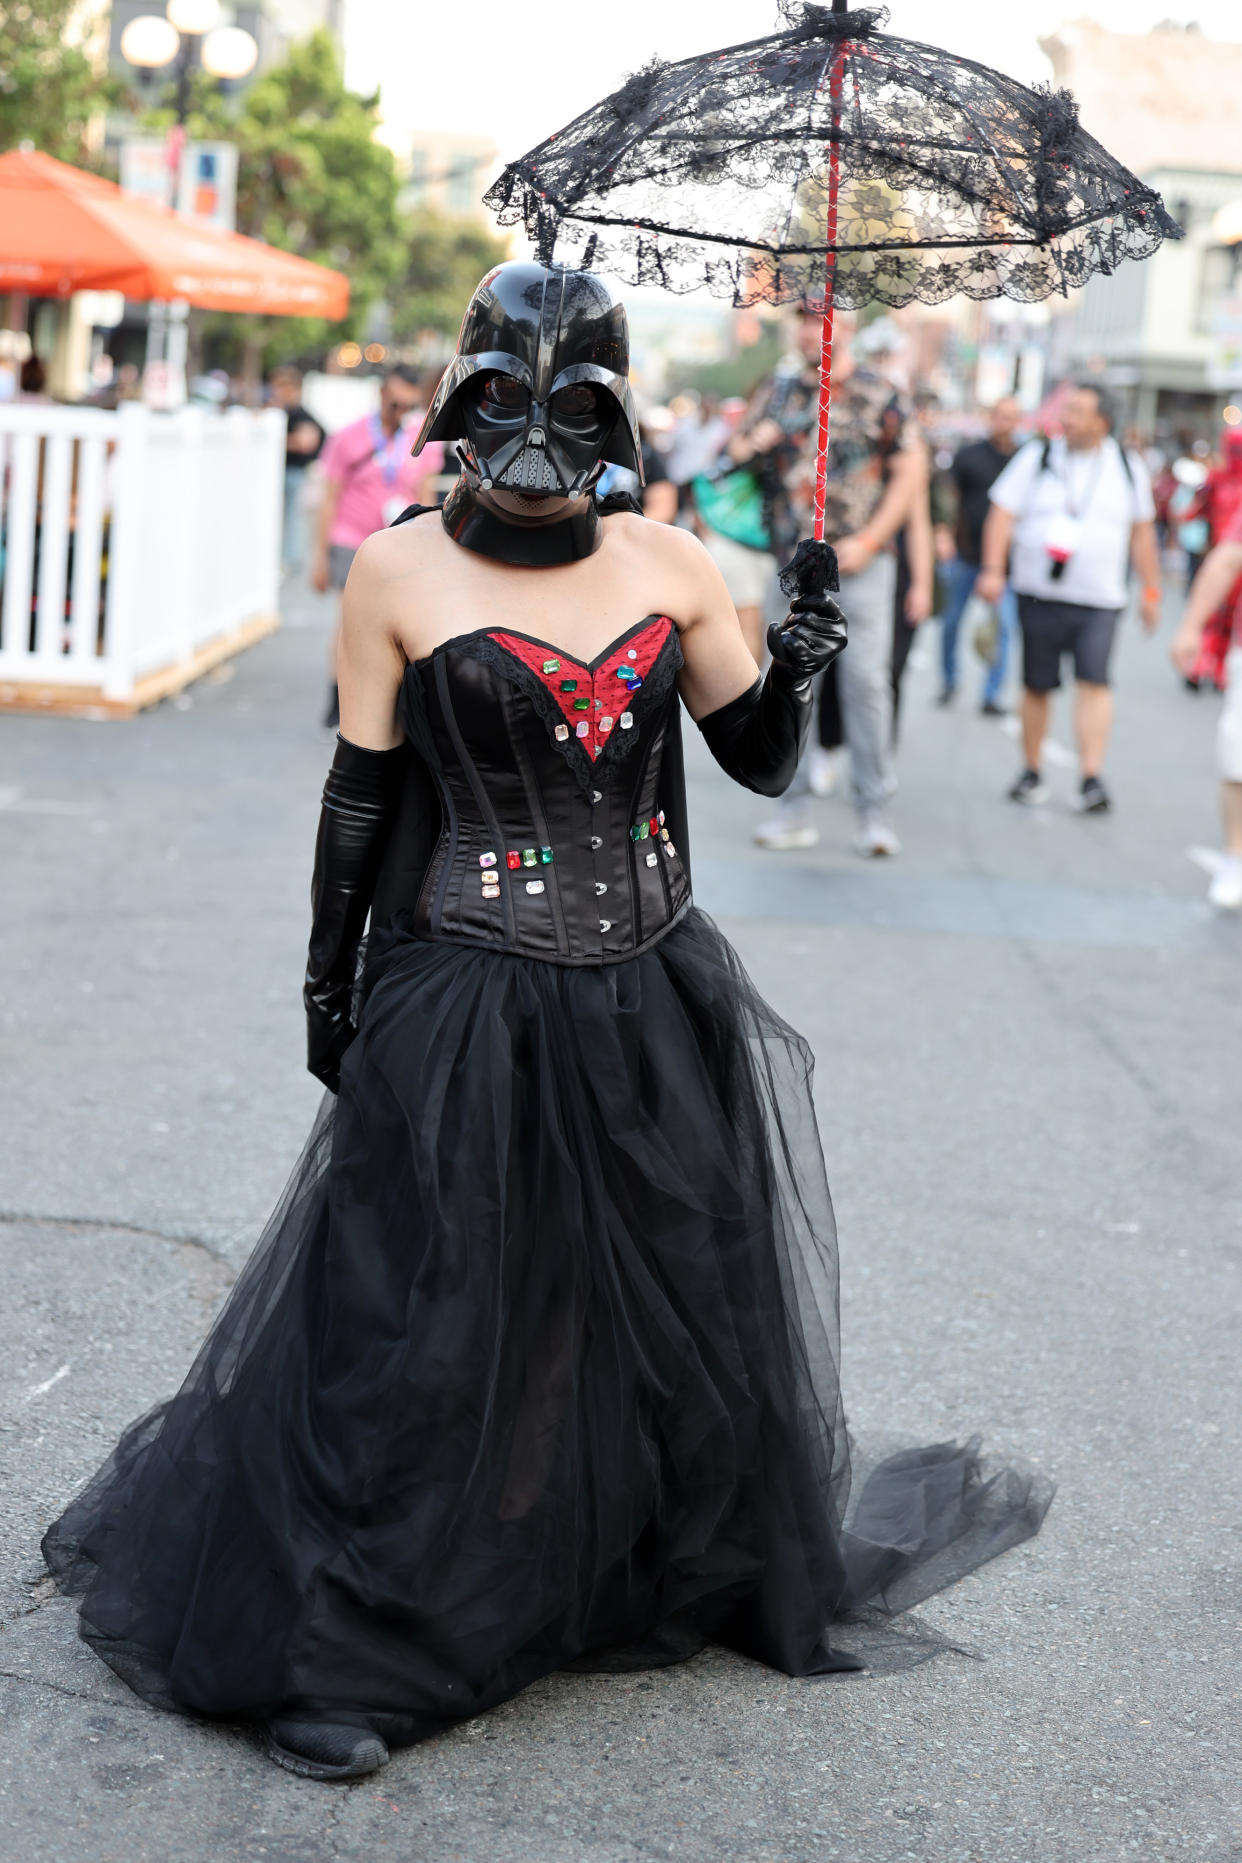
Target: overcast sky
517,71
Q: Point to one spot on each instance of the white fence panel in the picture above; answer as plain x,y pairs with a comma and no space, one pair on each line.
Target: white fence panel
89,557
21,481
132,541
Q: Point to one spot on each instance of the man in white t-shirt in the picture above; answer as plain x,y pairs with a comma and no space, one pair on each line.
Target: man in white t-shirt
1068,516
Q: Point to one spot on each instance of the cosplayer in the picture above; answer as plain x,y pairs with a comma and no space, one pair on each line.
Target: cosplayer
535,1365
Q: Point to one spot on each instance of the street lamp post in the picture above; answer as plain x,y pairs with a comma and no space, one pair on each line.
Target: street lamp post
191,33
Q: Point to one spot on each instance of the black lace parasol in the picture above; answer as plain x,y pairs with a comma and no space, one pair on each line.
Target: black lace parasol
832,164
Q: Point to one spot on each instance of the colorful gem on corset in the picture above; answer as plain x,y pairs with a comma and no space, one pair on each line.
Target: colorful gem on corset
551,666
487,860
561,733
545,856
569,685
513,859
529,857
584,729
582,705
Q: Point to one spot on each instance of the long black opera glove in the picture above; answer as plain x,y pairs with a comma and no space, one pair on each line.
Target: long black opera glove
757,739
360,799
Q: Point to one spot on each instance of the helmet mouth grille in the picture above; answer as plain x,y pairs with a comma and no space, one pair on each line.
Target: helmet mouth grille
531,471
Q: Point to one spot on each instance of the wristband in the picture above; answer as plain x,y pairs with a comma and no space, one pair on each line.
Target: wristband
1153,592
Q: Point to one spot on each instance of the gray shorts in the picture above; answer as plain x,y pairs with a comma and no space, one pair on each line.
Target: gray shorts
748,574
340,556
1051,630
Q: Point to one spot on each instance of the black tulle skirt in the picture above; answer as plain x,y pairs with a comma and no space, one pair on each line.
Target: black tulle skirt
534,1366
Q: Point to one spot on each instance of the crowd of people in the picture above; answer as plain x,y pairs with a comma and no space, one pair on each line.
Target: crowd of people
1052,535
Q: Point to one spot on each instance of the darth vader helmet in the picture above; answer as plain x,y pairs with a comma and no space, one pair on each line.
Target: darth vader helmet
538,390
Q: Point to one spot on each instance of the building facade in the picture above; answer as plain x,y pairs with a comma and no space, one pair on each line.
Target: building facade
1163,333
445,170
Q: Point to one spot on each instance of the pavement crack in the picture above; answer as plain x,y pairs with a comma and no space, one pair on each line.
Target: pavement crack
12,1218
59,1688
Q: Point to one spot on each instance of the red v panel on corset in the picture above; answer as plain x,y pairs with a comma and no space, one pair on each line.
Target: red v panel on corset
637,653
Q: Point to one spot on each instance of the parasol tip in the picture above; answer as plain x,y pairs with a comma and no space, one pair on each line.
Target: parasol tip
812,573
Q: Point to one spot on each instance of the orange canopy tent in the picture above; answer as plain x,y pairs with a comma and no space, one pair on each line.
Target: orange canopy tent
63,230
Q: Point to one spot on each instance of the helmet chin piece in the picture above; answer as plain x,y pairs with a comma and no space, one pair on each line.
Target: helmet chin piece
528,539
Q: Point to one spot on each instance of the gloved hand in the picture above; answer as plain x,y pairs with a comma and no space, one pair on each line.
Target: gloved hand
757,739
810,637
360,798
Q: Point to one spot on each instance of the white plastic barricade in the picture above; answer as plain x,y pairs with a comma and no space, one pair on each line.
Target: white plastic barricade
137,549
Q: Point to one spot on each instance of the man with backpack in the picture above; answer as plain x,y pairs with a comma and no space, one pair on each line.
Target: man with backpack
1068,516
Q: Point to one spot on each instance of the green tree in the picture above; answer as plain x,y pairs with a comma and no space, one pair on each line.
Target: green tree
311,179
444,257
734,375
49,88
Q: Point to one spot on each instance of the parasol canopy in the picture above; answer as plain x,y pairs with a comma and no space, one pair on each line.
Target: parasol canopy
717,171
63,230
833,165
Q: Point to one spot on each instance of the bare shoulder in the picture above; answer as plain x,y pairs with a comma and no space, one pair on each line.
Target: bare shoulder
675,556
395,552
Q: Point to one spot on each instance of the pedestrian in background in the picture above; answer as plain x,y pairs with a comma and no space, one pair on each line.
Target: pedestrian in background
1076,510
914,548
877,472
745,519
1211,589
1217,505
657,495
369,478
975,470
304,442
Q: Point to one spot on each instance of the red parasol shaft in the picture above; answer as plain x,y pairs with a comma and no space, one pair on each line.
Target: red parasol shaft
830,266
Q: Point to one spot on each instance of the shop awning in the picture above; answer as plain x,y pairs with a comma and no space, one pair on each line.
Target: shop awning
63,230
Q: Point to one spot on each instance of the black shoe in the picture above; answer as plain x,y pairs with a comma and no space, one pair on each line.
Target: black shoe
947,696
329,1750
1093,798
990,709
332,716
1030,789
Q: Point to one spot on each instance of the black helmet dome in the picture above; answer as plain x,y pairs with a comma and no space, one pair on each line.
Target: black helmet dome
539,388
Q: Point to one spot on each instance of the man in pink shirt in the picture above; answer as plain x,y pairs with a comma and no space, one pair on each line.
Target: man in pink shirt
369,478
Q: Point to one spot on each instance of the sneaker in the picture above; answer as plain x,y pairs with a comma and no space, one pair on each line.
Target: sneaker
1030,789
1093,798
823,770
990,709
1226,888
784,832
322,1749
875,840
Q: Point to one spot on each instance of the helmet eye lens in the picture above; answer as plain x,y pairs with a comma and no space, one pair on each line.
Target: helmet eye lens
577,404
505,394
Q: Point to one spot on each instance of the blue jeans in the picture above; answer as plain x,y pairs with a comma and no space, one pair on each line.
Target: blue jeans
866,692
959,582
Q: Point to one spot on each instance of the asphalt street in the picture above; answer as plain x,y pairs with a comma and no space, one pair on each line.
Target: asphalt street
1028,1039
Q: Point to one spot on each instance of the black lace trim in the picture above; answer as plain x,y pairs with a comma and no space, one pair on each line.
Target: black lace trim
589,773
953,179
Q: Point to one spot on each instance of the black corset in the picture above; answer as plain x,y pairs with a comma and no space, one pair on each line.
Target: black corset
553,841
